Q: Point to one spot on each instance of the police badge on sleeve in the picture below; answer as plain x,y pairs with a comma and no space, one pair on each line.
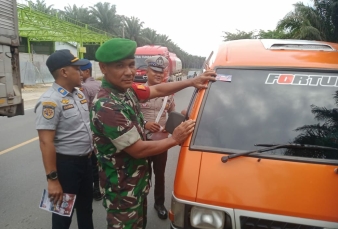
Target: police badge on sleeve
48,109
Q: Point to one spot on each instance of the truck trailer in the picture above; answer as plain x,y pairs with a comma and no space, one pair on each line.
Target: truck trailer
11,102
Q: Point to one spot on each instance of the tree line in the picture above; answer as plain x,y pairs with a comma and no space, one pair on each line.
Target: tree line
103,15
318,22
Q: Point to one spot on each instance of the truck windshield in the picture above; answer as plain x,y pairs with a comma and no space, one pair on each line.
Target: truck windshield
270,107
140,61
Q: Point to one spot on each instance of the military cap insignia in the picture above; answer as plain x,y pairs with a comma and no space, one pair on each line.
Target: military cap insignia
80,96
48,109
75,59
65,101
62,91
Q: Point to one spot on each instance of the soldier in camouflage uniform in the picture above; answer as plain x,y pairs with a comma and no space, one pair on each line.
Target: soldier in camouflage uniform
118,130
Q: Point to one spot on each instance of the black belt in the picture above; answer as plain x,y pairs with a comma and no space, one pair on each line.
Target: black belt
65,157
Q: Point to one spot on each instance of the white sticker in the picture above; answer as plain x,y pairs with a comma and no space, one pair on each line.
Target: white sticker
225,78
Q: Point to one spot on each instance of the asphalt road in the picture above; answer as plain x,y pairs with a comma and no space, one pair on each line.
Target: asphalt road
22,176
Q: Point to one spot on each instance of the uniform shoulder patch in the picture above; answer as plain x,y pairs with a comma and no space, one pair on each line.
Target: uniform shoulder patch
83,101
49,103
67,107
48,109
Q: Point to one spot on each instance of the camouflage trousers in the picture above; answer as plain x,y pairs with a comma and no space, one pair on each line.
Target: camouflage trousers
134,218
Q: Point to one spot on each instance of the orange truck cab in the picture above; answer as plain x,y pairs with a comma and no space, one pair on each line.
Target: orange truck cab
264,151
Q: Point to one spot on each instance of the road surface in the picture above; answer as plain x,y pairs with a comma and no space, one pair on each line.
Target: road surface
22,176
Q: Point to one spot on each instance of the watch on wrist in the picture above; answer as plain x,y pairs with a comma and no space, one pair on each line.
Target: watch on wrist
52,175
145,122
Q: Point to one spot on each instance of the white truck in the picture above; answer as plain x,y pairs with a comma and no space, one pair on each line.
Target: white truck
11,102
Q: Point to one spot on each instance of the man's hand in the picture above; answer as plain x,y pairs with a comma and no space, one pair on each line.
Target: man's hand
55,192
152,126
183,131
199,81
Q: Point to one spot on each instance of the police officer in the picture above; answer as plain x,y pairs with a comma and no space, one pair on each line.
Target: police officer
117,124
151,109
89,88
62,121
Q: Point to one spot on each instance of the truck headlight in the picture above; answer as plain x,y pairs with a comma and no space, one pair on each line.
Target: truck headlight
205,218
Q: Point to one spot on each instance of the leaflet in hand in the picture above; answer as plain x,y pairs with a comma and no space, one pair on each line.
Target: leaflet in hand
66,207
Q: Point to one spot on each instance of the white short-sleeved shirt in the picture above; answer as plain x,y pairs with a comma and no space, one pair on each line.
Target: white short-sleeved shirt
66,113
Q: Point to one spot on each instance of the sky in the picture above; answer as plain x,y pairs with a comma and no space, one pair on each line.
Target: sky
197,26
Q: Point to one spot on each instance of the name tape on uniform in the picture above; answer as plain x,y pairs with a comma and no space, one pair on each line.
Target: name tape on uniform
67,107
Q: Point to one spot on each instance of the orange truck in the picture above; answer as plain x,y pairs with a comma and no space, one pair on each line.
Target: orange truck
264,152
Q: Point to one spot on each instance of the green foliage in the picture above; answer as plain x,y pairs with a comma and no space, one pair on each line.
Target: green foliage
40,5
79,14
239,35
319,22
103,16
106,17
133,29
273,34
302,23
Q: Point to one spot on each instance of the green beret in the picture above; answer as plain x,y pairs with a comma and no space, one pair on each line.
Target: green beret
116,49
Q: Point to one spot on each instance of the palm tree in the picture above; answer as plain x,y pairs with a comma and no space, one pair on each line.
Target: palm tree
327,11
133,27
273,34
228,36
80,14
303,23
106,17
41,6
163,39
150,36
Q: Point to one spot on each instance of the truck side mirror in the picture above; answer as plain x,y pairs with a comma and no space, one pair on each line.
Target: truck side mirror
174,120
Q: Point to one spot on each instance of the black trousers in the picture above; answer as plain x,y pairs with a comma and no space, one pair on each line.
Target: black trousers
158,163
75,176
95,168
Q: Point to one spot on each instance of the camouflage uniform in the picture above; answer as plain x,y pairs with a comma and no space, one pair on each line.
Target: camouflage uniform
116,123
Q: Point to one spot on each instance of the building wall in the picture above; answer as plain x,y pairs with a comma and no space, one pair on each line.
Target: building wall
33,69
64,45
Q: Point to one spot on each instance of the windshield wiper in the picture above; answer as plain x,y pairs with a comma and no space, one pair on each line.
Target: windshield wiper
273,147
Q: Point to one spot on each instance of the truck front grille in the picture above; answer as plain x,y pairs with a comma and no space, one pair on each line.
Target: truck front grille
255,223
